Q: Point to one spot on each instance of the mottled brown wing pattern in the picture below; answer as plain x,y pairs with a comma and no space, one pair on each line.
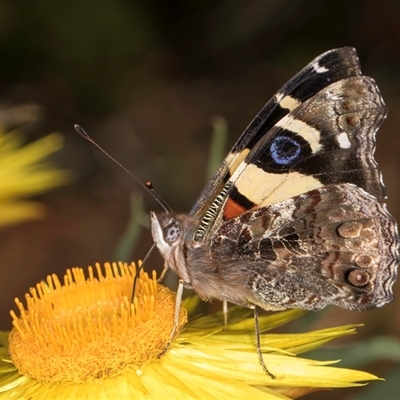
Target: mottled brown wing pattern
333,245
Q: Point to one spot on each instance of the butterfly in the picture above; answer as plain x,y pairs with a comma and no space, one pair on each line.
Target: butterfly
295,215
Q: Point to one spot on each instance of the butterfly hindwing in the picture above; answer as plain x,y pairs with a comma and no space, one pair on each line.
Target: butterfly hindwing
332,245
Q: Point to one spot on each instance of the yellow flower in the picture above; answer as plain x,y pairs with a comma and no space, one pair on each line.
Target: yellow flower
23,173
86,340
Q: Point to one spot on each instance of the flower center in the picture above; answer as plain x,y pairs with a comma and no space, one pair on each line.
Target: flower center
89,328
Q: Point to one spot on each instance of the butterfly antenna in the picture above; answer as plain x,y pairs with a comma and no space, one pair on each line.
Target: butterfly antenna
148,186
159,198
135,279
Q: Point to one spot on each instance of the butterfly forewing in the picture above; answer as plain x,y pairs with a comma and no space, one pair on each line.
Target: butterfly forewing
329,138
330,67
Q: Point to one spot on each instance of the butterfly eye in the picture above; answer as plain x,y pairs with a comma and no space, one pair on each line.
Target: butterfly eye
172,232
284,150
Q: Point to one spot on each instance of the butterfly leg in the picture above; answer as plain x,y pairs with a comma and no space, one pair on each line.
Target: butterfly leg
178,304
258,343
225,312
177,311
164,271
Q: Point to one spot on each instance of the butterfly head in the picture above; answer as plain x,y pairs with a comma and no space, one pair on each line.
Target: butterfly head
167,231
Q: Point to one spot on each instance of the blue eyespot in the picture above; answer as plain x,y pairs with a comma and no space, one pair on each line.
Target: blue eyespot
284,150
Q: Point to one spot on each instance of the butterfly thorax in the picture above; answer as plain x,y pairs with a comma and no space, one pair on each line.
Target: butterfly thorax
191,260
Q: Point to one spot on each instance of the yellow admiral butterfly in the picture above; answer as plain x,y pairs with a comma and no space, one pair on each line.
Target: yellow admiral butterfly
295,215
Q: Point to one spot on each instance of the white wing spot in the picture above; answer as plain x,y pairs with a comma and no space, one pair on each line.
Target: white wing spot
343,140
318,69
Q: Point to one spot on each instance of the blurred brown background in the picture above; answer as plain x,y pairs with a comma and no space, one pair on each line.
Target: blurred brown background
144,79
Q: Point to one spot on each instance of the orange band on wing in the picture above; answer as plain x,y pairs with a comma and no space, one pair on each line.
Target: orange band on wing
233,209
